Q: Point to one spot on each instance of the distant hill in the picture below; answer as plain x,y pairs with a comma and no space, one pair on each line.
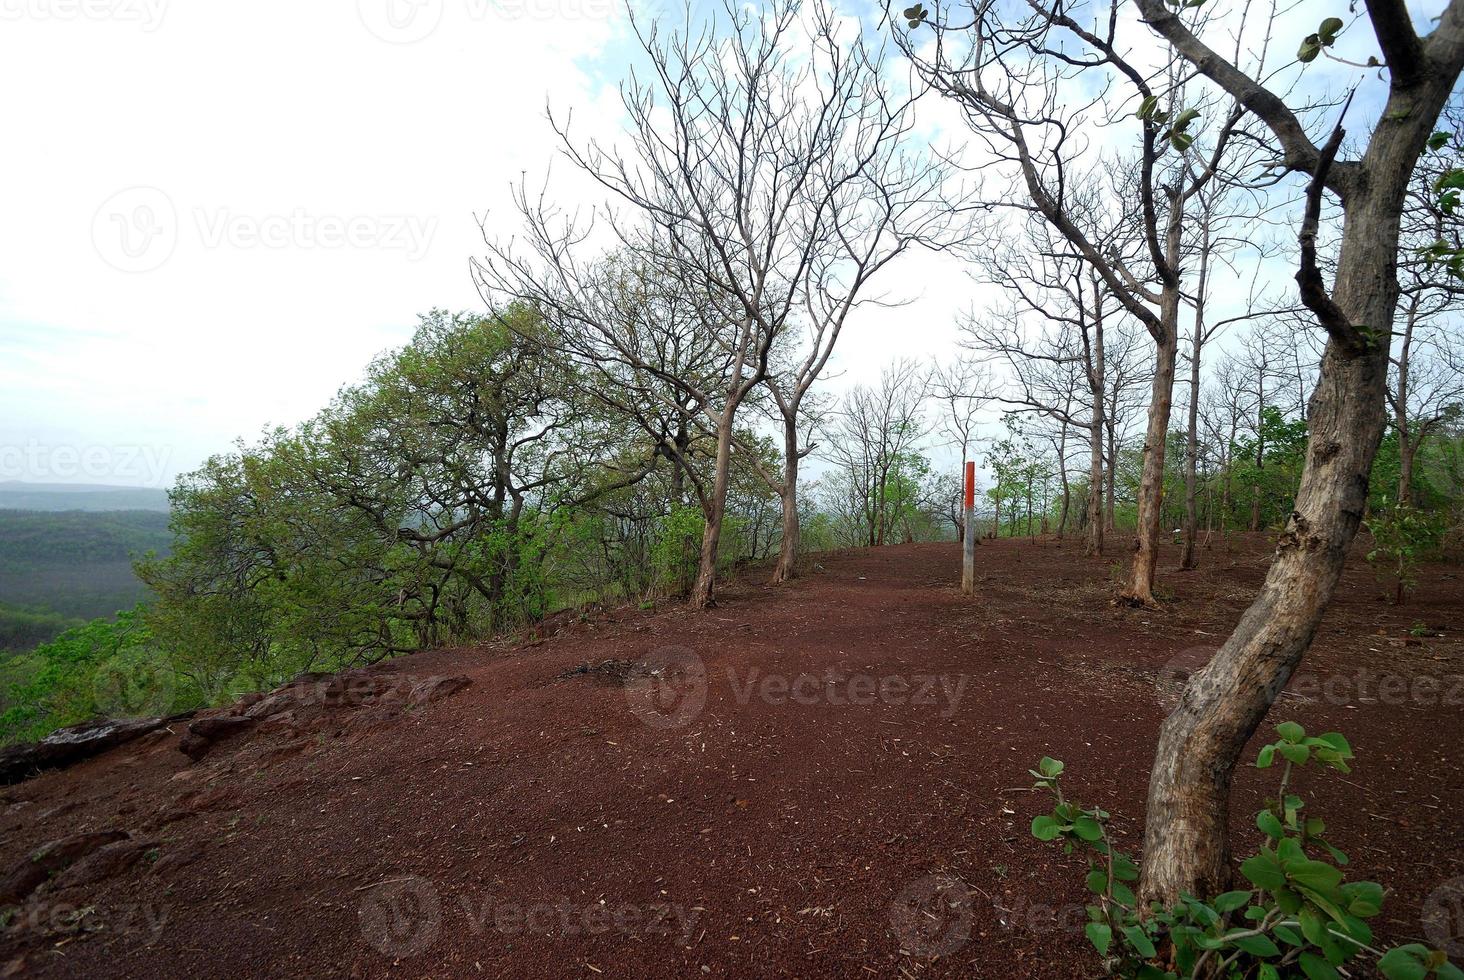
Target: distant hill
15,495
61,568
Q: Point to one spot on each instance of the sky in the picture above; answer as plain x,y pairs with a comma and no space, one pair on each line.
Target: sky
212,216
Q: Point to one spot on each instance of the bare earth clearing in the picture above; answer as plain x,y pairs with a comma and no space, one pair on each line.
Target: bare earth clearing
555,817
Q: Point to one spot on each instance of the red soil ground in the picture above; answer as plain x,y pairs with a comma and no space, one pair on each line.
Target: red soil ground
549,822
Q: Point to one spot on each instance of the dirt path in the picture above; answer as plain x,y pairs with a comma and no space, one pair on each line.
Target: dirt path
785,786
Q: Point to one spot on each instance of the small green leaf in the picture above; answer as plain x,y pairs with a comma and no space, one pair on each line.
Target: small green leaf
1140,941
1264,872
1100,935
1316,875
1310,48
1045,828
1256,945
1327,33
1230,901
1295,754
1270,826
1401,964
1317,968
1088,828
1291,731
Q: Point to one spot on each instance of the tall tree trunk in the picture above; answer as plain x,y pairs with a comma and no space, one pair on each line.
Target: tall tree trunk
1096,384
706,576
1407,446
1407,450
788,550
1192,428
1110,508
1151,482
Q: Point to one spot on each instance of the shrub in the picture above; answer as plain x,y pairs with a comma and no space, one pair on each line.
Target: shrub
1299,918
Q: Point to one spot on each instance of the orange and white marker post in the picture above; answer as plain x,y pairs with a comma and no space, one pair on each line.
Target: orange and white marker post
968,560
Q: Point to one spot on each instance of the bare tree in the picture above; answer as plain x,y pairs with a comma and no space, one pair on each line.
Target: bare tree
1006,74
874,436
1426,379
742,169
1050,337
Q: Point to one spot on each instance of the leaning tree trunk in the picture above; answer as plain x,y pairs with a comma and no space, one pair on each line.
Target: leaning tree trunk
1185,843
1151,482
788,549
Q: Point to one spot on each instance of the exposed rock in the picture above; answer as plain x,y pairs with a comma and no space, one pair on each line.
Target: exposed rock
204,732
436,688
214,729
107,861
66,746
246,702
173,860
35,870
271,704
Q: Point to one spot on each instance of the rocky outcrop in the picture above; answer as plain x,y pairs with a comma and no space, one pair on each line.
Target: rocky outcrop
67,746
354,700
37,868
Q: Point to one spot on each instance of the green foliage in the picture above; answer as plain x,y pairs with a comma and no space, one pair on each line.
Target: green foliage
1314,44
1300,917
676,553
106,668
23,627
1403,537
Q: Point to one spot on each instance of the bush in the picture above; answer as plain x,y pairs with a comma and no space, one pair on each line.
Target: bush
1298,919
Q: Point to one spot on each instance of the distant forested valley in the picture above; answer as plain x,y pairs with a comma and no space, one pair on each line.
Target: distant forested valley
62,568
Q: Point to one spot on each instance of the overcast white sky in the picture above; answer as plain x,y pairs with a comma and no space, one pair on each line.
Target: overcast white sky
213,215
